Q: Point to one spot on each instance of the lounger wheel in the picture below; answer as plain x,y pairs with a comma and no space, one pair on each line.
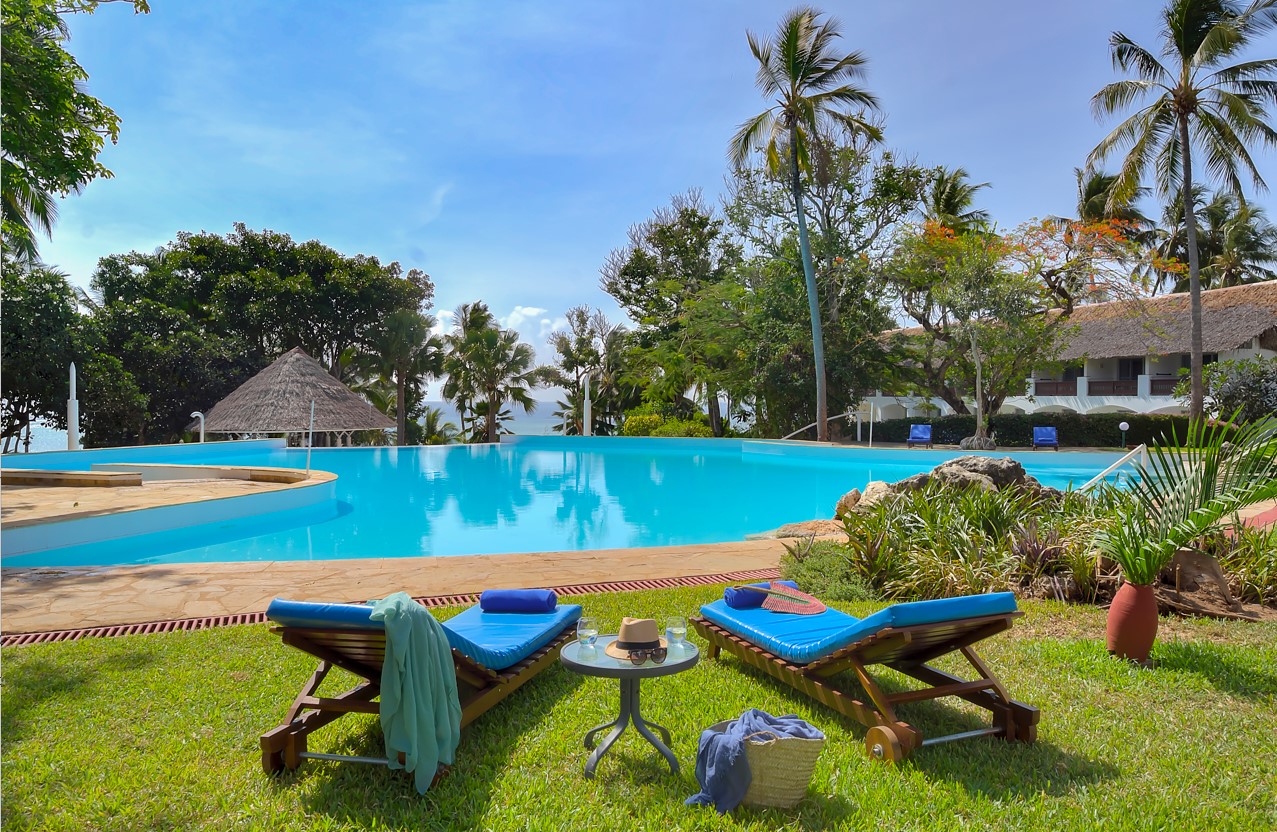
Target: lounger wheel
884,744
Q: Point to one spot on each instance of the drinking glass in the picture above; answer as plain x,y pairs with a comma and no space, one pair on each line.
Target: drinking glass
676,632
587,632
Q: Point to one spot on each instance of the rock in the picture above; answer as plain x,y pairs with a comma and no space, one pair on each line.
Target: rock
961,478
810,527
875,492
978,443
1001,471
847,502
915,483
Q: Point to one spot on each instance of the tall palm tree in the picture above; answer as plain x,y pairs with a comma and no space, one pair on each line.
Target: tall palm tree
811,85
436,429
951,199
405,349
488,364
1235,242
1220,110
1095,203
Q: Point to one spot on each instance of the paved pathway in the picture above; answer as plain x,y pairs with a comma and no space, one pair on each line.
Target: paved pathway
39,600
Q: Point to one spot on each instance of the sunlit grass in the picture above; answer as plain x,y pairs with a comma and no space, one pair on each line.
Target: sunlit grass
160,732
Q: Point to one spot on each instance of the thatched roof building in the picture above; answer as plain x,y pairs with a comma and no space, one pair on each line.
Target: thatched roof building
1161,326
277,400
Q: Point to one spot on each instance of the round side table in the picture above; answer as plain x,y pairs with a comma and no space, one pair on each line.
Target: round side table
595,662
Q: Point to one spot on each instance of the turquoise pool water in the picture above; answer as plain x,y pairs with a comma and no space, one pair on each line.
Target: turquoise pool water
532,494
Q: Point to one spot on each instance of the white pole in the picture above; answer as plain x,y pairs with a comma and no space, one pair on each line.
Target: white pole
857,425
200,416
871,425
588,421
310,437
73,417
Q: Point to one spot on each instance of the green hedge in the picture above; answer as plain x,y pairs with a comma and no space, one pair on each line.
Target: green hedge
1096,430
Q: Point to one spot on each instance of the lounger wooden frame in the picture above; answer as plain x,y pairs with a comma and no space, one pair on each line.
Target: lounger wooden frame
906,649
361,652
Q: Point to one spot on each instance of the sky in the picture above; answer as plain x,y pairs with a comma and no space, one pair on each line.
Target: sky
506,148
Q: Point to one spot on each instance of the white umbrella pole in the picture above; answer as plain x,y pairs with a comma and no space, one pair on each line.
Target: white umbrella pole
310,437
587,422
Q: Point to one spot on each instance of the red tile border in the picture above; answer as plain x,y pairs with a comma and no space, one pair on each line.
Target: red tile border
20,639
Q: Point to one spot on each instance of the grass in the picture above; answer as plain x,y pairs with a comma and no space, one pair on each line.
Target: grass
160,732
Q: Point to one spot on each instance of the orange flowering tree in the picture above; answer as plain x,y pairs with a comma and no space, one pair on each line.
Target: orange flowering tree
991,308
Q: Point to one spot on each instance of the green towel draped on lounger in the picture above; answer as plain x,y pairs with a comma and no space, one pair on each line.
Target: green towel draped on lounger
420,711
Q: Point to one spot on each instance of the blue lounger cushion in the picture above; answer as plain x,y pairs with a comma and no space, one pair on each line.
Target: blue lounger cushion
1045,436
802,639
496,640
744,599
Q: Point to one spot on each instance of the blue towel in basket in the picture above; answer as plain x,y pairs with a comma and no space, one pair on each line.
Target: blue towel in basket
722,768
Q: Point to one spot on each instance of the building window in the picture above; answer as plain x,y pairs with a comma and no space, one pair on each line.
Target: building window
1186,360
1073,373
1129,369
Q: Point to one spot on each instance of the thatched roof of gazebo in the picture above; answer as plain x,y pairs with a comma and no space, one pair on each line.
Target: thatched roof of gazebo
278,400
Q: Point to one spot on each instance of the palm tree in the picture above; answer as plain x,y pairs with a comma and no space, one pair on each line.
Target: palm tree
404,349
811,86
488,365
1095,203
950,201
436,429
1235,242
1219,110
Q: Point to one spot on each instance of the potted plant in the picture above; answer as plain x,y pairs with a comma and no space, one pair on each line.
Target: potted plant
1183,493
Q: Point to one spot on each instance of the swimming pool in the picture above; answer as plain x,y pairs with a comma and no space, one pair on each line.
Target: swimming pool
528,494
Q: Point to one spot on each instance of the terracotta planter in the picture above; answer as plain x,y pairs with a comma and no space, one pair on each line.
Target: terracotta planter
1132,622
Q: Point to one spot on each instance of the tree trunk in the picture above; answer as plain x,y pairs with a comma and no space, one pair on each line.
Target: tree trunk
490,419
401,416
1196,398
979,387
715,411
813,300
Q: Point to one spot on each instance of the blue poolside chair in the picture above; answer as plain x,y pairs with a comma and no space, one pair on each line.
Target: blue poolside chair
1045,438
808,651
919,435
494,653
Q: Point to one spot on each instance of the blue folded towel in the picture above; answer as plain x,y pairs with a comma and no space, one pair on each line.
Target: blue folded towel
722,768
744,599
518,600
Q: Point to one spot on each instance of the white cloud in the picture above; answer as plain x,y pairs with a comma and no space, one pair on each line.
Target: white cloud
548,326
521,315
434,207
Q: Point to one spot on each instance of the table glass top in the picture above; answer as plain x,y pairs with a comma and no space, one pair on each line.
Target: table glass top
596,660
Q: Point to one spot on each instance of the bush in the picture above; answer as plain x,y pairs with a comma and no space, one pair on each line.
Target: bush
942,541
1249,556
820,568
683,427
640,424
1015,430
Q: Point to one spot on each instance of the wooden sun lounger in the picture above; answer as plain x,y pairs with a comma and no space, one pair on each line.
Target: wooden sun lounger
906,649
361,651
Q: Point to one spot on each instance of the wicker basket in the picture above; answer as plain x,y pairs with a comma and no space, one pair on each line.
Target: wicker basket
780,767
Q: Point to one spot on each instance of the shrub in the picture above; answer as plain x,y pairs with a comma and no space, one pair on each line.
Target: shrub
820,567
1015,430
682,427
942,541
1250,559
640,424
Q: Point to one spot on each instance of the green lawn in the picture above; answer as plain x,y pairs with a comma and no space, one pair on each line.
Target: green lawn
160,732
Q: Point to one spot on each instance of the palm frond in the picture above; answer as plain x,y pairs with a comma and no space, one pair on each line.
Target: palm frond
1129,55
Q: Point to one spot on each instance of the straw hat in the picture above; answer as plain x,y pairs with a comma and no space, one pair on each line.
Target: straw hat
636,634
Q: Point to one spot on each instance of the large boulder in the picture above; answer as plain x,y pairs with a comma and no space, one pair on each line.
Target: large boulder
1001,472
875,492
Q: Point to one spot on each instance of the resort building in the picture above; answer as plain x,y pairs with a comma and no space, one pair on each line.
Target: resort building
1125,356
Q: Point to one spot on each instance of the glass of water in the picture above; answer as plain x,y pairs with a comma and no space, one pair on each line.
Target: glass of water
587,632
676,633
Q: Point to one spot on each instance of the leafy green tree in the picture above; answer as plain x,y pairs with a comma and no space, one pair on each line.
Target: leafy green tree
679,253
950,201
488,366
405,351
51,129
38,322
594,347
1195,102
1246,388
112,408
812,86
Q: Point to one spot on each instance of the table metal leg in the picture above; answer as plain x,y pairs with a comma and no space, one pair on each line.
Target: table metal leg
641,725
628,716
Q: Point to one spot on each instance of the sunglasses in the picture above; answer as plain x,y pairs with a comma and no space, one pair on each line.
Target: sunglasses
656,654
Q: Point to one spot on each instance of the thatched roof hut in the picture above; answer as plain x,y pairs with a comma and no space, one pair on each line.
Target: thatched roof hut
1161,326
277,400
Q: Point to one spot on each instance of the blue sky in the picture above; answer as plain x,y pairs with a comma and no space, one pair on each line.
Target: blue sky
506,148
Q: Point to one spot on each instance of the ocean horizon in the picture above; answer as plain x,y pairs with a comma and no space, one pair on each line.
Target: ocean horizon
540,422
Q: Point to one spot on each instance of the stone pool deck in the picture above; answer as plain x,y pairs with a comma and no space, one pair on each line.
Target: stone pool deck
41,600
